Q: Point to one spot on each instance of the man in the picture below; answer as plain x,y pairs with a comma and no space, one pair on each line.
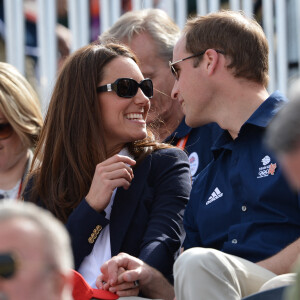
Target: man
242,221
283,137
242,211
151,34
35,254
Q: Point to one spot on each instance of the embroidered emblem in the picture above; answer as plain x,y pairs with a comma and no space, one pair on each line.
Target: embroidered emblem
266,160
272,168
268,167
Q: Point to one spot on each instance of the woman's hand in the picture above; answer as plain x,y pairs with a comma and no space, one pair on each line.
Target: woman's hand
112,173
121,275
121,287
126,276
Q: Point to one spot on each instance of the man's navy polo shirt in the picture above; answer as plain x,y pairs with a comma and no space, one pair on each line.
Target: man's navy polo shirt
241,203
198,145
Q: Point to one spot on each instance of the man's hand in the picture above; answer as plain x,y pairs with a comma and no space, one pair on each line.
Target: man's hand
283,261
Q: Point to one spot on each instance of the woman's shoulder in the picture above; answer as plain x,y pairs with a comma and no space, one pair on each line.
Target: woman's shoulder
172,153
170,164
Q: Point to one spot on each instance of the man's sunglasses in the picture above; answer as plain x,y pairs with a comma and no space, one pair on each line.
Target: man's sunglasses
172,64
128,87
6,131
8,265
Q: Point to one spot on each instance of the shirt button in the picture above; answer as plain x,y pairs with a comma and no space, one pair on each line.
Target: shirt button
234,241
244,208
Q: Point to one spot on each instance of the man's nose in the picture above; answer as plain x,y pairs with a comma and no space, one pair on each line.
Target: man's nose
175,91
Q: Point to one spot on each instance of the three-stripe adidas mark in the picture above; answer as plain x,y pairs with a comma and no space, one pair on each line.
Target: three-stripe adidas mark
216,194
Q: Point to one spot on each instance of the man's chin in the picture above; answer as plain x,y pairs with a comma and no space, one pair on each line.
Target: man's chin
191,122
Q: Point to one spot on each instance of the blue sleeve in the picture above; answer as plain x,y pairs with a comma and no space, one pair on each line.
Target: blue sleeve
171,184
191,216
81,224
192,238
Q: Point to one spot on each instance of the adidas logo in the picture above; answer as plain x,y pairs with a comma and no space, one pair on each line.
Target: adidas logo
216,194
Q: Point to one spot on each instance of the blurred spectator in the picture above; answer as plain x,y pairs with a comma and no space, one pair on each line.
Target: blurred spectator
35,254
63,35
283,137
20,124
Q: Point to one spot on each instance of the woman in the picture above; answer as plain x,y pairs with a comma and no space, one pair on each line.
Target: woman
20,124
100,170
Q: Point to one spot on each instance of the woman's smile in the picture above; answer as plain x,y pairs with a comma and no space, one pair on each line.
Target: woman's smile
137,116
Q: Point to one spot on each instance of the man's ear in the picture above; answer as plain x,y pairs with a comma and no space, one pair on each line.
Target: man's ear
63,284
212,59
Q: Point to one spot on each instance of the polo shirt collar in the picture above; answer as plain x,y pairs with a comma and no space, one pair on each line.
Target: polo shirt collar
261,118
267,110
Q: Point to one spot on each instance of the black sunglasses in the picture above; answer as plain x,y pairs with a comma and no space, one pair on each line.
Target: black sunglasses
128,87
8,265
6,131
172,64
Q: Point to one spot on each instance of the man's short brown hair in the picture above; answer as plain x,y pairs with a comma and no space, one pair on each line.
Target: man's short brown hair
241,38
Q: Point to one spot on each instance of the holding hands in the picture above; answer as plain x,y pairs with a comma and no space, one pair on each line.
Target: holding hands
124,274
128,276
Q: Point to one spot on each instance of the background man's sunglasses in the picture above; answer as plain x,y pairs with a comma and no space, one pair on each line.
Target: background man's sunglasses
128,87
8,265
6,131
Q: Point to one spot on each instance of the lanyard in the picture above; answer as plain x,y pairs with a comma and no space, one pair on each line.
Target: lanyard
181,143
20,188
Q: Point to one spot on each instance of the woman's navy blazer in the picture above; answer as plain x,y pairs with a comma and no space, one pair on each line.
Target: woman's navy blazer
147,219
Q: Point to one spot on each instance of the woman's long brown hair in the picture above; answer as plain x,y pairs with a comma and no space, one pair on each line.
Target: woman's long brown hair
71,142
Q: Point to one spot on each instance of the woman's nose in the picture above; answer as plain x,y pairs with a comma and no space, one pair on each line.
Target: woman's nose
141,98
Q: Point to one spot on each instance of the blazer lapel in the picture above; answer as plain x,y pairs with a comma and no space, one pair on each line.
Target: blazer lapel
125,204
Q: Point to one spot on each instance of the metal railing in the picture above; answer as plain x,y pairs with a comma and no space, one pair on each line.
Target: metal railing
280,21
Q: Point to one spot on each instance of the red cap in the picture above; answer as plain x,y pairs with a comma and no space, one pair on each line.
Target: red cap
83,291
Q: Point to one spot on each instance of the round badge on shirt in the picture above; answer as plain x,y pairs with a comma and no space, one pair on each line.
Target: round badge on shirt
194,163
